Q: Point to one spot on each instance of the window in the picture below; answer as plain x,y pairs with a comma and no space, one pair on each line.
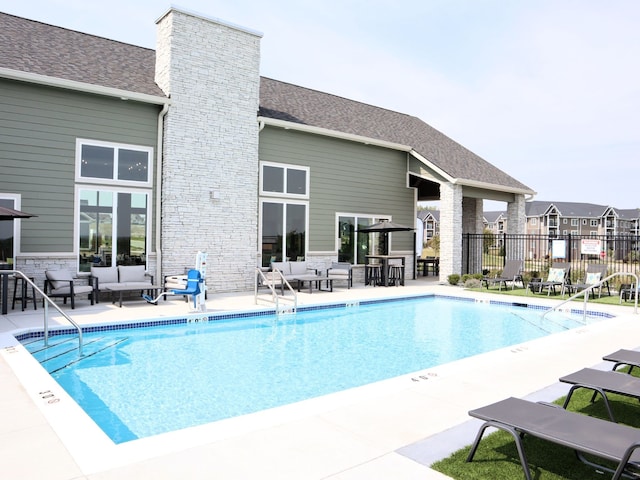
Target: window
564,221
284,217
575,222
574,232
584,221
8,230
284,231
113,228
534,221
354,246
594,223
284,180
104,162
113,188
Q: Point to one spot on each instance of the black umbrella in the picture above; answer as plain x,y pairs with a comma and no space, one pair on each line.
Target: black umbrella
10,214
384,227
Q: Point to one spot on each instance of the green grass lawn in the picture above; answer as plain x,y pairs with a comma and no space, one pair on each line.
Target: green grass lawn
497,457
614,299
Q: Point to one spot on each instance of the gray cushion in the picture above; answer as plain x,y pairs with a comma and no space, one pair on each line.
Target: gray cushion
298,268
284,267
105,274
132,273
58,278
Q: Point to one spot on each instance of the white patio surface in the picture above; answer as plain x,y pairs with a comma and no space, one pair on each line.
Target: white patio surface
390,429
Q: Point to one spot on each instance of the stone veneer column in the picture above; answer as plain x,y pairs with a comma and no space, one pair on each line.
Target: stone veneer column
210,161
516,224
516,215
450,230
472,214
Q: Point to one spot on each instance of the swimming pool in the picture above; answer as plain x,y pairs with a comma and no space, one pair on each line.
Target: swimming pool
145,381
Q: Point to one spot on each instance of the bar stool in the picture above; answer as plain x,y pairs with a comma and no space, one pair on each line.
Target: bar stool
373,273
396,274
24,289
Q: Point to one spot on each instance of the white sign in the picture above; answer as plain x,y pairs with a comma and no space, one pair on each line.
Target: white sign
559,249
590,246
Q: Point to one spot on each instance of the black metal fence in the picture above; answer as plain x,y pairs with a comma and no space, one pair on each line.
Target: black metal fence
484,253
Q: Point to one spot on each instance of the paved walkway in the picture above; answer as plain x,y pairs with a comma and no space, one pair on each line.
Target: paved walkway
391,429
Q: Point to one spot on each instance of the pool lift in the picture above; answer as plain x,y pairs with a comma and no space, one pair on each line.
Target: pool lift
193,288
198,294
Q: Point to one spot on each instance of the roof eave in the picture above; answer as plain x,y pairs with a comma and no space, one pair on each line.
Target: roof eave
332,133
35,78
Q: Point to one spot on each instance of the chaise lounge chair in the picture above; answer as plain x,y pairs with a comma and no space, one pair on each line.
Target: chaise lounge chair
558,277
510,273
593,275
623,357
602,382
585,435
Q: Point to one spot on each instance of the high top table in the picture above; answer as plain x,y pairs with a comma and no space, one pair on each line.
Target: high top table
384,259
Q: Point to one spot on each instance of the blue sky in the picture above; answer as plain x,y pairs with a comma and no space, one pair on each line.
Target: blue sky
546,90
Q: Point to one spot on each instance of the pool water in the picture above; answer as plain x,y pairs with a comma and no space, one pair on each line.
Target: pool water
154,380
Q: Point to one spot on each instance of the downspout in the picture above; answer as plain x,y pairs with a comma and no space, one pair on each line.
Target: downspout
158,230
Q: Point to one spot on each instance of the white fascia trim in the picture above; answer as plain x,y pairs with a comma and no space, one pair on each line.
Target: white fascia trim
332,133
81,86
438,170
471,183
493,186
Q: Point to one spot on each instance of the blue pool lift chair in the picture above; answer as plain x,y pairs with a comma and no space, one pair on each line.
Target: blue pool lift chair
194,281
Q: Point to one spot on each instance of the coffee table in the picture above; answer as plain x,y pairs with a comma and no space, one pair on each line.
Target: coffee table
313,278
120,289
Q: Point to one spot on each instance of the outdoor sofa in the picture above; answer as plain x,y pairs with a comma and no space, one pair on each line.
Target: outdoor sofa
133,277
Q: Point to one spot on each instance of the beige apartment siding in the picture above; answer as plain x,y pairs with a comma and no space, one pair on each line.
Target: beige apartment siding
345,177
38,131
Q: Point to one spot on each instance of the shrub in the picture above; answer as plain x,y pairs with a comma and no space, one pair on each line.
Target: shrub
453,279
472,283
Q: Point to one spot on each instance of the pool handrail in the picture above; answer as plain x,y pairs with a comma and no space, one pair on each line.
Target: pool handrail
48,301
587,291
270,283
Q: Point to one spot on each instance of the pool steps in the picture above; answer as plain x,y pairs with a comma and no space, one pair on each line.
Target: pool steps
61,354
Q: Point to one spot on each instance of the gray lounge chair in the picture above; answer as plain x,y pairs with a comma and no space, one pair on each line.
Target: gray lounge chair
602,382
593,275
510,273
585,435
558,277
623,357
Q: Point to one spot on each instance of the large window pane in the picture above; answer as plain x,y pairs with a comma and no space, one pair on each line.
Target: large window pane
296,221
272,179
97,162
272,226
96,229
133,165
6,233
347,235
131,233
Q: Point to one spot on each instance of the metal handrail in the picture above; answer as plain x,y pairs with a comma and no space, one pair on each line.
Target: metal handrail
46,310
587,291
270,283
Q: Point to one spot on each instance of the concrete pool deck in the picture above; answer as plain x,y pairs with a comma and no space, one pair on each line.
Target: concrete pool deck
390,429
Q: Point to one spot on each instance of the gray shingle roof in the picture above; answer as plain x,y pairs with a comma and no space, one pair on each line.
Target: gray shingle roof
36,47
283,101
566,209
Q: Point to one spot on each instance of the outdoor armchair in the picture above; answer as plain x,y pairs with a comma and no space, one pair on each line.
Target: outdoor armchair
61,284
